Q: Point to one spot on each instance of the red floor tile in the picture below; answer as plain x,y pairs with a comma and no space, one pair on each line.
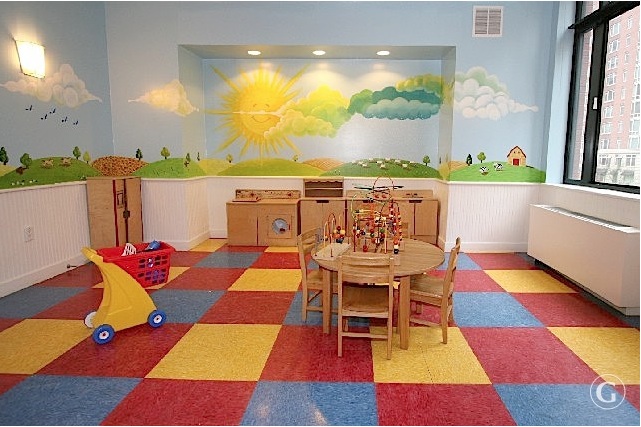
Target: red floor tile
7,381
277,260
567,310
303,353
474,281
76,307
186,258
501,261
526,355
251,307
631,394
7,323
86,275
214,279
132,353
440,404
183,402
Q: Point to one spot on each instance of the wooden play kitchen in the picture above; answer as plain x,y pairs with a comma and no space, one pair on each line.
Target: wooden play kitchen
276,217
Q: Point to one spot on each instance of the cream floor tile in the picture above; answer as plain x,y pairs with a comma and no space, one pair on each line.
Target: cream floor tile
282,249
261,279
528,281
28,346
219,352
613,351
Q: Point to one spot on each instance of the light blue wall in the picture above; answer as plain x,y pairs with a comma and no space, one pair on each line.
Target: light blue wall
72,33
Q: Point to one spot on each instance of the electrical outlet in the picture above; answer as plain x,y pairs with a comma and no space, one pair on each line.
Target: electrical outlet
28,233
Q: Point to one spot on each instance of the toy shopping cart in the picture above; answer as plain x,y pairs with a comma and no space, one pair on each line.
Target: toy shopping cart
125,302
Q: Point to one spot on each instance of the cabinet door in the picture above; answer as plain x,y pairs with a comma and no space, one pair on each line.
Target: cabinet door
277,224
133,210
407,217
242,224
426,220
315,213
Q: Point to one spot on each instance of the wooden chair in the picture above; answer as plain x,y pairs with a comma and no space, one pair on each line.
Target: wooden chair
311,280
365,289
436,291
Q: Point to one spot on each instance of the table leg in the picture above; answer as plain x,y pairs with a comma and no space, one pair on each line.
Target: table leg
327,300
404,312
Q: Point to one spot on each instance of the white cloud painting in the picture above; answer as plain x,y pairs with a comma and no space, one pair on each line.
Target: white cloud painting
172,97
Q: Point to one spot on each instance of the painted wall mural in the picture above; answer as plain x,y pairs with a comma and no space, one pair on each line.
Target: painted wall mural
263,114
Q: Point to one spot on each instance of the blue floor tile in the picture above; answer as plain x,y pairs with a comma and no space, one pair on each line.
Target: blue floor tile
463,262
564,404
491,309
229,260
184,306
307,403
32,300
62,400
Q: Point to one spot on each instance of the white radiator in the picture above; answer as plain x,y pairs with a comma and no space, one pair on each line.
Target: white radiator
601,256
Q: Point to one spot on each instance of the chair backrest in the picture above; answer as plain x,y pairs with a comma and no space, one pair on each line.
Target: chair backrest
366,268
307,241
448,283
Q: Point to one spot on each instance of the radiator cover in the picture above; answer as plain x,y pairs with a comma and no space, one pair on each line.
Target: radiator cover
601,256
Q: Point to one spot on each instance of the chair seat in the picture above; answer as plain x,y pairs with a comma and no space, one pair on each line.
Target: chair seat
428,285
365,299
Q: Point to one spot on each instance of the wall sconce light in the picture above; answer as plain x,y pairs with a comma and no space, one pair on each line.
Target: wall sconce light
32,58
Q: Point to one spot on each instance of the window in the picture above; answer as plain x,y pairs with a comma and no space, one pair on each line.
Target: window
590,159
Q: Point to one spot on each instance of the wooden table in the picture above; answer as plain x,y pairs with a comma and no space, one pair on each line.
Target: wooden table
416,258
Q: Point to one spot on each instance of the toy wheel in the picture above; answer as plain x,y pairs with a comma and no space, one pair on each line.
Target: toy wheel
157,318
103,334
89,319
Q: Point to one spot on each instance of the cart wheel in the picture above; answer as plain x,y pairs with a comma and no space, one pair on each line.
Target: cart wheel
103,334
89,319
157,318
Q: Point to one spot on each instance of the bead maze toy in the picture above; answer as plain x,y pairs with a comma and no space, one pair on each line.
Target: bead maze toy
379,228
125,302
335,240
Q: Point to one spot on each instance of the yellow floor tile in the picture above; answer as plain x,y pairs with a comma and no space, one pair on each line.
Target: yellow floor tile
261,279
219,352
428,360
209,245
613,351
526,281
285,249
28,346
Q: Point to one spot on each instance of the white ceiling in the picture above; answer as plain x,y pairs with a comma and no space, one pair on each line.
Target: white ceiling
333,52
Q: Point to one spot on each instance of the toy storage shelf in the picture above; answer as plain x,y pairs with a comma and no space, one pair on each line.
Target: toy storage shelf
323,187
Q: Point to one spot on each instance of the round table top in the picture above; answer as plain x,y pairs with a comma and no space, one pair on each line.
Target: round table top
416,258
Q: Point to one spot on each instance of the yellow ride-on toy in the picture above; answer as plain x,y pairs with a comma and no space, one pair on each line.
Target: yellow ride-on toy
125,303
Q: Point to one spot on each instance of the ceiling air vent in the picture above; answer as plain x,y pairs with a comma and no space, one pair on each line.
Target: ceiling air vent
488,21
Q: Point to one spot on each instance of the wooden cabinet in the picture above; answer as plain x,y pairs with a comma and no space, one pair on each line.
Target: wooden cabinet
268,222
425,217
114,205
321,188
313,213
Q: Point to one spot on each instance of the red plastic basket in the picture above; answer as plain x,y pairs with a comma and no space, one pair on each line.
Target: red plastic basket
148,268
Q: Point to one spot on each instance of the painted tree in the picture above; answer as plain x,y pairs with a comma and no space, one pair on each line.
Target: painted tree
86,157
229,158
139,154
4,158
295,157
198,156
188,158
26,160
76,152
469,160
165,152
426,160
481,157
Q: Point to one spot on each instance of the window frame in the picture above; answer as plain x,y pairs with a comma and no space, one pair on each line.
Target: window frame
598,22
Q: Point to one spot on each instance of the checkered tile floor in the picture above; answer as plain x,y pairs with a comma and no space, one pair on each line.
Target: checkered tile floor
525,348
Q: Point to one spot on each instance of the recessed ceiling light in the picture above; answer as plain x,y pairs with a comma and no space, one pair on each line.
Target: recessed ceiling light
382,52
319,52
253,52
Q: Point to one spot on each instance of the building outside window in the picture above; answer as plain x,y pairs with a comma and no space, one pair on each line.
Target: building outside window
599,30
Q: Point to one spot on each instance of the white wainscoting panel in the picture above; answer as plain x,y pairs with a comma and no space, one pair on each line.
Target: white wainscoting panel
58,216
490,217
